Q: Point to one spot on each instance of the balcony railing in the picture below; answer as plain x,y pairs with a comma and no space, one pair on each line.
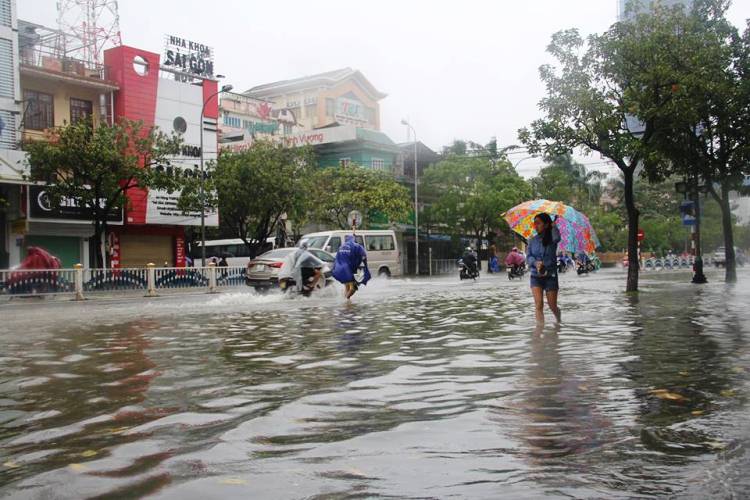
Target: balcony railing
46,59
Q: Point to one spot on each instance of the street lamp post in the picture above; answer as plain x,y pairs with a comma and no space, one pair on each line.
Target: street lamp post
416,199
693,190
225,88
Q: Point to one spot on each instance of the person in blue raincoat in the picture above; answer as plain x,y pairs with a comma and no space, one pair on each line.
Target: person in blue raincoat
349,257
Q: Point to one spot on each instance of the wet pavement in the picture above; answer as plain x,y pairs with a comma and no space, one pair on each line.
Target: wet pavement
419,389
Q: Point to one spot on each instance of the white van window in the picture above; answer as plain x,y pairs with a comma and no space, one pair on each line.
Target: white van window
359,240
380,243
334,243
315,241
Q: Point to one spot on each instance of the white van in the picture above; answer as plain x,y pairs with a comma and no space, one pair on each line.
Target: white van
383,254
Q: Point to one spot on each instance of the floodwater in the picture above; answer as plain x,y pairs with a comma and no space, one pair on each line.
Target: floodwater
419,389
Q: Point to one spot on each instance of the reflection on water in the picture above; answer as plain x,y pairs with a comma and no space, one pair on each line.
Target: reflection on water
441,391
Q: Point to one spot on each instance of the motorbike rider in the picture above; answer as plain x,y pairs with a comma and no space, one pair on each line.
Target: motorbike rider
515,260
470,260
303,268
349,257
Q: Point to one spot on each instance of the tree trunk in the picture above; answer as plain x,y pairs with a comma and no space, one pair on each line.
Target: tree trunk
726,225
632,213
98,244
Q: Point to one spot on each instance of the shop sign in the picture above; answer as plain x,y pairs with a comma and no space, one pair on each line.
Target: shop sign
350,109
68,210
162,206
260,127
113,246
179,252
322,136
189,57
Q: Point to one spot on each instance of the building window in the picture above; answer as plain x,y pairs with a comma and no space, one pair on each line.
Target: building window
287,129
80,110
378,164
330,106
7,62
370,115
380,243
345,162
38,110
179,125
311,111
7,130
232,121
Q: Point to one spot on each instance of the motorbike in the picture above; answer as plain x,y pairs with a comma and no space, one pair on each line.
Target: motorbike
516,271
563,264
288,286
466,272
585,267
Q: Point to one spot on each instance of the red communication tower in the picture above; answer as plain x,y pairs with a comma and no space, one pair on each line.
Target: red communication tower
88,27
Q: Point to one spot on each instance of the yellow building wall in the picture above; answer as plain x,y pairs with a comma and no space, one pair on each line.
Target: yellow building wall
62,92
320,119
340,90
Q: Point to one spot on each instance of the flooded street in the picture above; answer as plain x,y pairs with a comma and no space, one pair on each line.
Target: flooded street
419,389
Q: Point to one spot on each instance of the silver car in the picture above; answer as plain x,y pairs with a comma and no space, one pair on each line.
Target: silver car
263,272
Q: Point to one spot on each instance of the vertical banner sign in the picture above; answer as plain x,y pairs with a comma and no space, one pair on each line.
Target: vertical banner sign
179,252
113,242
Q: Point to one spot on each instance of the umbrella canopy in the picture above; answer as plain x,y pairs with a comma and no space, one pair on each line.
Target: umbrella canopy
39,258
576,233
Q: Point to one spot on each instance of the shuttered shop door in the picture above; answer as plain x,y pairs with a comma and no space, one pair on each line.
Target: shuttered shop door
137,250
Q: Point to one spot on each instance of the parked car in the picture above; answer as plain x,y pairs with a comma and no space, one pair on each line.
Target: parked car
720,259
383,254
263,272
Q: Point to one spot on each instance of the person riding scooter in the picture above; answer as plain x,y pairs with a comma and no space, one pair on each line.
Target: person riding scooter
301,270
515,261
470,261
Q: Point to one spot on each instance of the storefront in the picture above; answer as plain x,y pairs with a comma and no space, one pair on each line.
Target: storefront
170,97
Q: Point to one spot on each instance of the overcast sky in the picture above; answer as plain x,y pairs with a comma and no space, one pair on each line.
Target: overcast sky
457,69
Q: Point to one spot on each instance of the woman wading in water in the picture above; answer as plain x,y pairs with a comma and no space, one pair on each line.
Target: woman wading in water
542,260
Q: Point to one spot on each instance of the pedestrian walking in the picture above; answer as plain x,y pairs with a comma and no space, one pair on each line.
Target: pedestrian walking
542,260
349,257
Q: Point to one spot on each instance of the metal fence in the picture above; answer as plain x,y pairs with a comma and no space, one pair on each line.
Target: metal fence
150,280
447,266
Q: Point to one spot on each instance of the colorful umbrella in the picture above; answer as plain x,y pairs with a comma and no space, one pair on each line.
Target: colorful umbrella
577,234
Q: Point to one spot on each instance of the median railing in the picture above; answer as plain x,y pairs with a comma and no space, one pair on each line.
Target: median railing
151,280
668,263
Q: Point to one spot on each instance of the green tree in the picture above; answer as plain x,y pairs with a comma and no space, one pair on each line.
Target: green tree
470,194
585,107
255,189
98,166
698,63
339,190
564,179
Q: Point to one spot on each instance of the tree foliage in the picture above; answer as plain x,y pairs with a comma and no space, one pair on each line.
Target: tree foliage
339,190
255,189
98,166
585,107
564,179
699,64
470,194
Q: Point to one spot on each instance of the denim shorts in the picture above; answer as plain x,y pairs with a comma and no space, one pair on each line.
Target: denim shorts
548,283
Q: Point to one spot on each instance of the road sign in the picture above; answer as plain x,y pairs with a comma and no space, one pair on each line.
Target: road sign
354,218
641,234
687,212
